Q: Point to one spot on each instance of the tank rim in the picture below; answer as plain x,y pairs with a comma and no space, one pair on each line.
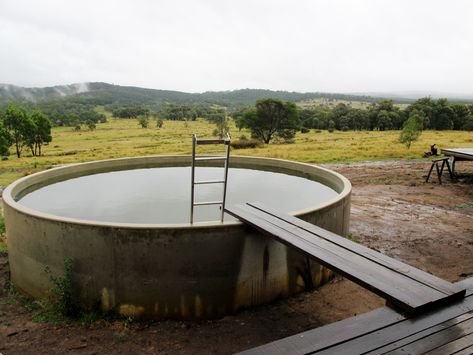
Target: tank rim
10,192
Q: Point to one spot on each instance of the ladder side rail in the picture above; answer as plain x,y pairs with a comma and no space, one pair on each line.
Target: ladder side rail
194,139
227,161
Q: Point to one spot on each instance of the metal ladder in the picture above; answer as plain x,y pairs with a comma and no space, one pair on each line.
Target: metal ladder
225,158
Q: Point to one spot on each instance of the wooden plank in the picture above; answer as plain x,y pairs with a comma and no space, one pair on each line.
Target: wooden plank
395,283
466,283
434,330
344,331
398,289
378,258
374,342
437,339
466,351
463,345
351,328
329,335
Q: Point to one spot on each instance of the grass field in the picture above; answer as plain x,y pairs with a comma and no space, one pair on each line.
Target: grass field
125,138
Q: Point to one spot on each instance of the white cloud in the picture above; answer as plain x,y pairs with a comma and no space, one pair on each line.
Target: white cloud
308,45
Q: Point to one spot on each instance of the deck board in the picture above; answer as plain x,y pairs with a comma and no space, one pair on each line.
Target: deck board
405,287
381,259
451,331
380,331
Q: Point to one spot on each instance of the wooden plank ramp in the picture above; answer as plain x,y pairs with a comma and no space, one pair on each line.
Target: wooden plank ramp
446,330
406,288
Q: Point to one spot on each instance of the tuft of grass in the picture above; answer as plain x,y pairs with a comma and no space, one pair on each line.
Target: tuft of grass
352,237
465,205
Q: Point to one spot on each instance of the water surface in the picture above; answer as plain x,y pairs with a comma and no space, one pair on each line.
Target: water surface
162,195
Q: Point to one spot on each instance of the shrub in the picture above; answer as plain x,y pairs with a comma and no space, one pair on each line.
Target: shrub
143,121
91,125
63,301
305,130
245,143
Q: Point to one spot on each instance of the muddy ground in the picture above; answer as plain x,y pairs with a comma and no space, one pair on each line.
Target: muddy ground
394,211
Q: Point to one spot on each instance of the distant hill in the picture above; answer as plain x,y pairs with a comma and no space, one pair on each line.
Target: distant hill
108,94
12,92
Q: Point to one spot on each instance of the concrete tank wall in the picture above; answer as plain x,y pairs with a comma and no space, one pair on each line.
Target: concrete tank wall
206,270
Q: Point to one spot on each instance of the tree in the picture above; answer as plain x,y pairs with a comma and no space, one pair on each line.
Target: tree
41,134
143,121
384,116
272,118
412,129
19,126
384,120
468,125
442,115
461,114
91,125
339,115
5,140
221,121
130,112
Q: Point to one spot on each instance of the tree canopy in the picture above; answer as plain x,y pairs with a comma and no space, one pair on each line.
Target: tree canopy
41,133
412,129
272,118
21,129
5,140
19,125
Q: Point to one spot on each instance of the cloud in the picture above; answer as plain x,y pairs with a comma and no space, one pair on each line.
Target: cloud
186,45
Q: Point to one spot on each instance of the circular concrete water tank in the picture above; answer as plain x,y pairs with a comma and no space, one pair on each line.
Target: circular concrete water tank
183,271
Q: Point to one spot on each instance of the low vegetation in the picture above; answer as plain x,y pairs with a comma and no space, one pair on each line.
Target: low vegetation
125,138
62,300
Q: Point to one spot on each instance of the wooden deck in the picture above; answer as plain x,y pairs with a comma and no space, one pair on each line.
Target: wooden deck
448,330
404,287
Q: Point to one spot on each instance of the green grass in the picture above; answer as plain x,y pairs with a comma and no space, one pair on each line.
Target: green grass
125,138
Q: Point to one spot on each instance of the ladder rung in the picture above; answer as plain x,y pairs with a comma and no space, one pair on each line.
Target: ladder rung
211,158
208,203
209,182
212,141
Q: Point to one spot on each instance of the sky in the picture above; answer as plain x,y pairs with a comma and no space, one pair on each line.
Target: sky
210,45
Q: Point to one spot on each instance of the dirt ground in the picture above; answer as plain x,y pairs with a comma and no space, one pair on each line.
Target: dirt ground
394,211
